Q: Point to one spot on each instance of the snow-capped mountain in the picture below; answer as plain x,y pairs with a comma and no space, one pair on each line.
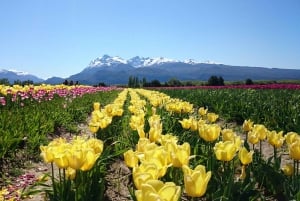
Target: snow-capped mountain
107,60
13,75
136,62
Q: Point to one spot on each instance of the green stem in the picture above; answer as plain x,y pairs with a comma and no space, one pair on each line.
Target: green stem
53,182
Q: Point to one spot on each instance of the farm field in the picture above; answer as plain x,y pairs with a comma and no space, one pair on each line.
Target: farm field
162,144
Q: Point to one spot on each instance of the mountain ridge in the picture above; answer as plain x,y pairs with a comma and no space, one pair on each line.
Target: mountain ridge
114,70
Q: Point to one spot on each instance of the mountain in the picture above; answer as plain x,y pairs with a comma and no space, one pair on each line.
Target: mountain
116,70
113,70
54,80
13,75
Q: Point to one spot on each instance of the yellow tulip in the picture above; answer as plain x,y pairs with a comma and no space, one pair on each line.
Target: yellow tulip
294,150
158,157
96,145
168,138
276,139
144,172
94,127
209,132
142,144
186,123
212,117
202,111
76,158
141,132
70,173
90,159
247,125
253,137
96,106
238,142
225,151
245,156
288,169
155,133
61,159
195,181
228,134
291,137
47,153
194,124
181,155
131,159
156,190
261,131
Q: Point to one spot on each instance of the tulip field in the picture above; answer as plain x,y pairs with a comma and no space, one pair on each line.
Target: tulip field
176,144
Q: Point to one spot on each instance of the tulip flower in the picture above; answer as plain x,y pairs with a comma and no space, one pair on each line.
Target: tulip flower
96,106
96,145
209,132
294,150
155,133
228,134
202,111
288,169
225,151
158,157
181,155
61,159
247,125
186,123
291,137
70,173
144,172
195,181
76,158
212,117
168,138
131,159
90,159
276,139
260,130
155,190
253,137
245,156
194,124
47,153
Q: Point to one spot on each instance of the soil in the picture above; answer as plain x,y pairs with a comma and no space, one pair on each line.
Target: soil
118,177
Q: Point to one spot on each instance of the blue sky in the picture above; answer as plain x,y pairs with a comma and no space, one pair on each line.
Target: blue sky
60,37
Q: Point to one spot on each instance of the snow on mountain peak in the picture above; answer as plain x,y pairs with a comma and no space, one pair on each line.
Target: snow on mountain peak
14,71
136,61
107,60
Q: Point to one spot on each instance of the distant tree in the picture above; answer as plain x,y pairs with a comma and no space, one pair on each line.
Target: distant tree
155,83
189,83
248,81
144,81
71,83
215,81
4,81
27,82
102,84
18,82
133,82
174,82
66,82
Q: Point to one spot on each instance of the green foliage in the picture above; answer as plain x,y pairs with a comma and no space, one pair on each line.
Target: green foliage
277,109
